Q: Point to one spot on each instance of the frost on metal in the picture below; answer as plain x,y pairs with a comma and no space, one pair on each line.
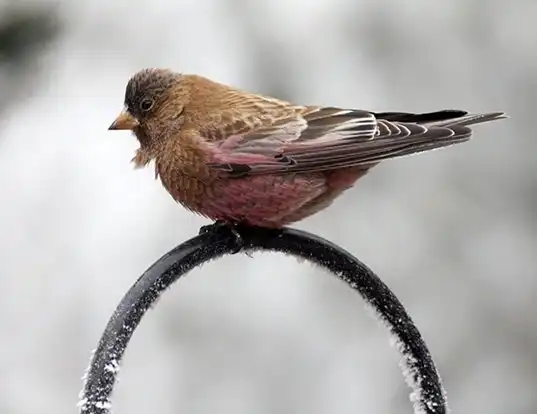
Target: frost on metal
413,377
112,367
85,405
416,373
97,400
86,371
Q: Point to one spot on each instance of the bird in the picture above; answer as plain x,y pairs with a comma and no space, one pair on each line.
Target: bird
242,158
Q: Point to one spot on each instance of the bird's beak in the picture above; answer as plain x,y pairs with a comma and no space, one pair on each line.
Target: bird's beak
124,121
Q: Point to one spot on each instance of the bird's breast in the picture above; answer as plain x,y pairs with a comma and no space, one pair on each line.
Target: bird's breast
184,173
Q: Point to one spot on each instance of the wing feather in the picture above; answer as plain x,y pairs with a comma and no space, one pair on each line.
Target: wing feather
322,139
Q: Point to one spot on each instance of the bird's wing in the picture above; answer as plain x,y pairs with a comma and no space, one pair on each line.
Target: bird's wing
321,139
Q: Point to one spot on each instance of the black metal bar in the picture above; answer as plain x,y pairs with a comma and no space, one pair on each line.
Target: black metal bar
420,372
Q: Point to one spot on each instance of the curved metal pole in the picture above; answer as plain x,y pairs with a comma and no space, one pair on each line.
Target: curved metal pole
427,395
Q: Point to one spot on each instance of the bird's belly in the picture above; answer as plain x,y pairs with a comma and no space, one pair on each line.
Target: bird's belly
266,201
260,201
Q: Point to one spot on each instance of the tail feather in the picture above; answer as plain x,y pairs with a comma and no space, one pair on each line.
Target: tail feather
457,122
427,117
469,119
398,134
441,118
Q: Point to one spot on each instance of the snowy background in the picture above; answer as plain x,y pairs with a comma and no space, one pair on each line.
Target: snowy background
453,233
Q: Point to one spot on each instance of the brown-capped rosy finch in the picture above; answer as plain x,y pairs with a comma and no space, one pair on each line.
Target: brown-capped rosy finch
238,157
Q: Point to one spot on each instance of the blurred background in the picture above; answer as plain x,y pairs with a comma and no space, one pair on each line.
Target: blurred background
453,232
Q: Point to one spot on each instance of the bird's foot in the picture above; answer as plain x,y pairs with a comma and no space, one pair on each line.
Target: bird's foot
216,227
220,226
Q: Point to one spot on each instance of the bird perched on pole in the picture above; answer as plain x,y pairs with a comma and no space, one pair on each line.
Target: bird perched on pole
242,158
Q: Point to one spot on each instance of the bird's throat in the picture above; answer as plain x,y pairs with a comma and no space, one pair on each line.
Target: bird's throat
142,136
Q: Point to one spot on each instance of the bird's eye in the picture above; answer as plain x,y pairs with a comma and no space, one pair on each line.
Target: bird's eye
146,104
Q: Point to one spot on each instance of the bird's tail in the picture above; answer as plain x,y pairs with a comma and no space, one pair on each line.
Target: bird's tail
455,122
443,118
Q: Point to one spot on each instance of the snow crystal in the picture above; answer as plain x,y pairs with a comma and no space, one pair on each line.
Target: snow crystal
112,367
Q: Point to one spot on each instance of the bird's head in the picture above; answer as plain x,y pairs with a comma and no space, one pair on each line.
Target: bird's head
154,103
149,104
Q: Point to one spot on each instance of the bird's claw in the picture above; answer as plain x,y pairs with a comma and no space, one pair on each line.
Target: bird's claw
215,227
224,226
